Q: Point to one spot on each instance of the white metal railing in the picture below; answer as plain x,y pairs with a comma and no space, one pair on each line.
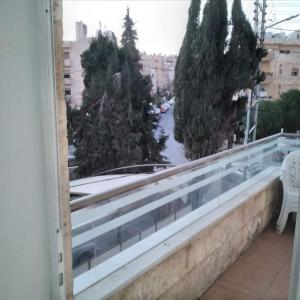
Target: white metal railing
150,210
106,210
95,198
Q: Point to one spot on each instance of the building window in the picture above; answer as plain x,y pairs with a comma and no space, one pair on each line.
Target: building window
280,71
285,51
295,71
67,75
66,55
67,92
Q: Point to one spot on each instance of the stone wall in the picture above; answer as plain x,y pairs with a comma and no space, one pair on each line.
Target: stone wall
189,272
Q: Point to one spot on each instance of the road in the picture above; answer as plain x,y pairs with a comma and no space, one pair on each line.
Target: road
174,151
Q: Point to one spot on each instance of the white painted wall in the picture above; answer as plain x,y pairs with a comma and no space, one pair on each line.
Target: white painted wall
28,163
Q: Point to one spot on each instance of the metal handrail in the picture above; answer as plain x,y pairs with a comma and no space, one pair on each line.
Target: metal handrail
95,198
134,167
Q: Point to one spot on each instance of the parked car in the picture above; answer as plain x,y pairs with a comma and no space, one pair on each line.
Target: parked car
154,111
172,101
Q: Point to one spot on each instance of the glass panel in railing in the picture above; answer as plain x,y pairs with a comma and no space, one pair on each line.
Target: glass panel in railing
103,231
122,223
287,145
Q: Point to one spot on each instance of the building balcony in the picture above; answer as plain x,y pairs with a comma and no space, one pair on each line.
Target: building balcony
172,234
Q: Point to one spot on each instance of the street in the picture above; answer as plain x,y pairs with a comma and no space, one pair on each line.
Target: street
174,151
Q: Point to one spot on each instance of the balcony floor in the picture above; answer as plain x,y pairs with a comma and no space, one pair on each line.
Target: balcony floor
262,272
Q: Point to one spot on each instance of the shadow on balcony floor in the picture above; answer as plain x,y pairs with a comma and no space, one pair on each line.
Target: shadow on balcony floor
262,272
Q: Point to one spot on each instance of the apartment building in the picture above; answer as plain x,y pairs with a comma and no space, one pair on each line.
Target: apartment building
161,69
72,64
281,65
217,241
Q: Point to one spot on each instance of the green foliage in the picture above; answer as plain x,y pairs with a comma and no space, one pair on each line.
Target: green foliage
184,72
73,116
243,56
269,118
212,71
129,38
290,105
115,128
283,113
204,132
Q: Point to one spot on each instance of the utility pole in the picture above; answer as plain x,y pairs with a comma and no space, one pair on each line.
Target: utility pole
260,12
254,95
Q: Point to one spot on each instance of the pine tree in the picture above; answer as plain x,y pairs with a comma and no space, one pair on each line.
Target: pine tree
129,38
184,72
93,140
138,90
115,128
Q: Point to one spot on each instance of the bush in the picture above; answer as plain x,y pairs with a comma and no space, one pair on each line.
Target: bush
283,113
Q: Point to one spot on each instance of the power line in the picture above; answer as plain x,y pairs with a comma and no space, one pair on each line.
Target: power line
283,29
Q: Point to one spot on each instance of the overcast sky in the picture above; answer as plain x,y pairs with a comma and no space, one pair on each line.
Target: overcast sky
160,24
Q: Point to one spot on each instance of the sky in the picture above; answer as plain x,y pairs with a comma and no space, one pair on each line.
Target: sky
160,24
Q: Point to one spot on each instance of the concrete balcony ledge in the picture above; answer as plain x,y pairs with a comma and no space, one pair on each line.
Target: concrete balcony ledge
186,264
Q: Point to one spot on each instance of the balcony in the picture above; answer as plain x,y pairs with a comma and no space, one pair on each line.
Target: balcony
176,258
262,272
172,234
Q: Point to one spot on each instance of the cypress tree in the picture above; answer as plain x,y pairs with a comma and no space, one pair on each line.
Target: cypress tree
242,58
184,72
202,132
242,64
219,70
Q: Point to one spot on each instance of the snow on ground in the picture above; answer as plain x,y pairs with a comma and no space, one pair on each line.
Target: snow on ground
174,151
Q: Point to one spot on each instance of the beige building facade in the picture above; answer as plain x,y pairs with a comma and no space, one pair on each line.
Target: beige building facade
281,65
161,69
73,76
